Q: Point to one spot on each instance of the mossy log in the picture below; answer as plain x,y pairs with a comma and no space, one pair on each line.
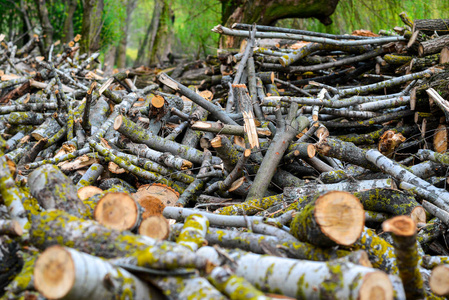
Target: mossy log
233,286
394,59
258,243
54,190
27,118
23,281
380,252
11,262
251,207
430,262
191,287
197,185
91,175
336,218
62,272
125,164
291,193
193,233
12,196
166,158
344,151
226,151
397,171
311,280
391,201
58,227
227,129
433,46
225,184
137,134
92,200
403,230
86,192
47,130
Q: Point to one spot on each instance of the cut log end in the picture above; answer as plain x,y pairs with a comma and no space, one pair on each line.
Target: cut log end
86,192
439,280
155,226
440,139
208,95
117,211
186,165
118,122
418,215
311,150
444,55
236,184
364,260
152,205
37,136
216,142
400,226
166,194
420,50
54,273
16,229
341,217
157,101
376,286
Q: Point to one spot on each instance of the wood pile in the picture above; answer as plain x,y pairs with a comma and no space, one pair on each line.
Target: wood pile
314,168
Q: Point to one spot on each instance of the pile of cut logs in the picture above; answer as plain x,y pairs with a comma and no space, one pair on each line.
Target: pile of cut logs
307,165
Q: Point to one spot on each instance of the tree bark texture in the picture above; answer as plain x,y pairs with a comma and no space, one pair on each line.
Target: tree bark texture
91,26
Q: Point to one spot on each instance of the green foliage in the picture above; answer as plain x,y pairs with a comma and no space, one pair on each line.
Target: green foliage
114,15
57,12
372,15
194,20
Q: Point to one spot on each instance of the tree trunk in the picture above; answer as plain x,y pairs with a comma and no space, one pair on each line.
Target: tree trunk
91,26
67,30
163,18
109,60
47,29
267,12
151,33
121,49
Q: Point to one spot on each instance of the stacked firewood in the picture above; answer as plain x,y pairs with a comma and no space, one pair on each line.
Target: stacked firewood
306,166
